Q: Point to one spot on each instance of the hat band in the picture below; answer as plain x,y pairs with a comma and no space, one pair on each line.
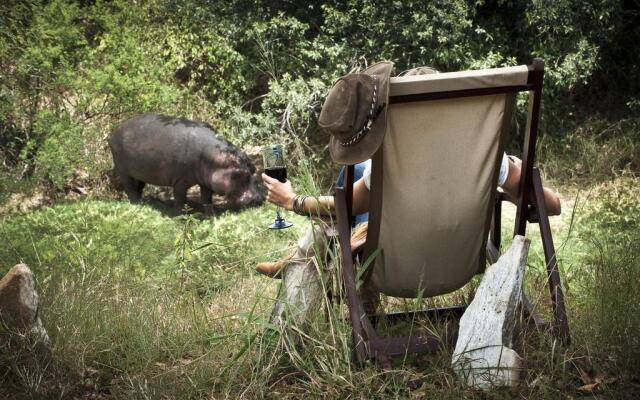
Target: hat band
370,118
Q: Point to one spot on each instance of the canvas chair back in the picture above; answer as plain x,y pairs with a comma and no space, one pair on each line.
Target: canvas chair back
434,180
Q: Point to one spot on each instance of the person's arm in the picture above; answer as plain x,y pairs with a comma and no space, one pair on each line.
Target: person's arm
360,197
510,188
282,194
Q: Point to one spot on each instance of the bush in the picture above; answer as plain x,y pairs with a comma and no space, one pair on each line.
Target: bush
257,68
63,147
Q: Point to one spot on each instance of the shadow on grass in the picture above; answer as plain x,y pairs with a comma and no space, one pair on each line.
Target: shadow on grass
167,208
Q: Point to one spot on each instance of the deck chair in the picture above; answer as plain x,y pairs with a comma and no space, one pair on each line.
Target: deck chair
432,219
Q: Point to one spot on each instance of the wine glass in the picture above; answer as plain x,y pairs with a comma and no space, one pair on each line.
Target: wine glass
275,167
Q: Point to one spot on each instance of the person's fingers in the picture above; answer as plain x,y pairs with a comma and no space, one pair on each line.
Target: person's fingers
267,179
274,200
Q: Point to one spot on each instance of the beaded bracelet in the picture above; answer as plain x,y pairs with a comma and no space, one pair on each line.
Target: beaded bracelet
301,205
298,204
296,200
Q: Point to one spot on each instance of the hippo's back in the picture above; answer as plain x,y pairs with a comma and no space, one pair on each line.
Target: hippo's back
158,149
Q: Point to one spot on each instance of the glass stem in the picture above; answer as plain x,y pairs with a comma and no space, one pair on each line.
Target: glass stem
278,217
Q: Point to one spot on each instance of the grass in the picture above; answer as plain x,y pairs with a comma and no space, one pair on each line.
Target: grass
594,152
115,300
141,305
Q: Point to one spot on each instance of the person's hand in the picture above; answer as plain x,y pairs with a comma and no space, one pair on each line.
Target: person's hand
279,193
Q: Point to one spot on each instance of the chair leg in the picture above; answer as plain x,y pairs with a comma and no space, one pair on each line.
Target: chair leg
495,231
356,310
561,327
496,228
367,343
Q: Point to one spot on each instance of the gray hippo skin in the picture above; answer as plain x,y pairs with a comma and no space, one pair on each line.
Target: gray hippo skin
168,151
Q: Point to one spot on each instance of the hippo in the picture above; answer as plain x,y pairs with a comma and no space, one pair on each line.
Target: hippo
168,151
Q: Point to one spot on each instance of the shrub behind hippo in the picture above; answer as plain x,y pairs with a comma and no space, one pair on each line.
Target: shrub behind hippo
168,151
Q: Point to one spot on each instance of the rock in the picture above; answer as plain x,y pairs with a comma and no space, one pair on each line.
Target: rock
483,357
303,286
300,295
19,303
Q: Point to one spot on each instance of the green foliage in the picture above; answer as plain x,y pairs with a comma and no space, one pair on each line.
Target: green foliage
63,147
38,48
567,35
289,113
409,33
295,102
206,62
280,46
257,69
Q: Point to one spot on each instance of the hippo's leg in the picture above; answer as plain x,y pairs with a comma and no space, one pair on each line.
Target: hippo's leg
141,186
132,187
205,199
180,197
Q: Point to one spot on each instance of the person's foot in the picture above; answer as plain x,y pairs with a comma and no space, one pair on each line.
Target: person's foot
359,236
273,269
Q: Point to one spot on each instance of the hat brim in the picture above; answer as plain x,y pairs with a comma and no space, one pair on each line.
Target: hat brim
370,142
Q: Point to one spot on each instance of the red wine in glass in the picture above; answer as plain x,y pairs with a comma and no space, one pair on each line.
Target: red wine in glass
275,167
279,173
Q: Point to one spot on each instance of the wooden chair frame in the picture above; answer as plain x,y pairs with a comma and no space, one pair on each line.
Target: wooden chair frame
530,208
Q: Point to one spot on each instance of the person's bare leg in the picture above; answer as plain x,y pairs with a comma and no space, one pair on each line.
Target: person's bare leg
312,242
305,249
510,188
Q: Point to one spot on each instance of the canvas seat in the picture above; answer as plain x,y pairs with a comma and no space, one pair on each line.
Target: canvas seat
433,195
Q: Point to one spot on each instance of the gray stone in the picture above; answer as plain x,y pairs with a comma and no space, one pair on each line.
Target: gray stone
19,303
483,357
300,295
303,289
